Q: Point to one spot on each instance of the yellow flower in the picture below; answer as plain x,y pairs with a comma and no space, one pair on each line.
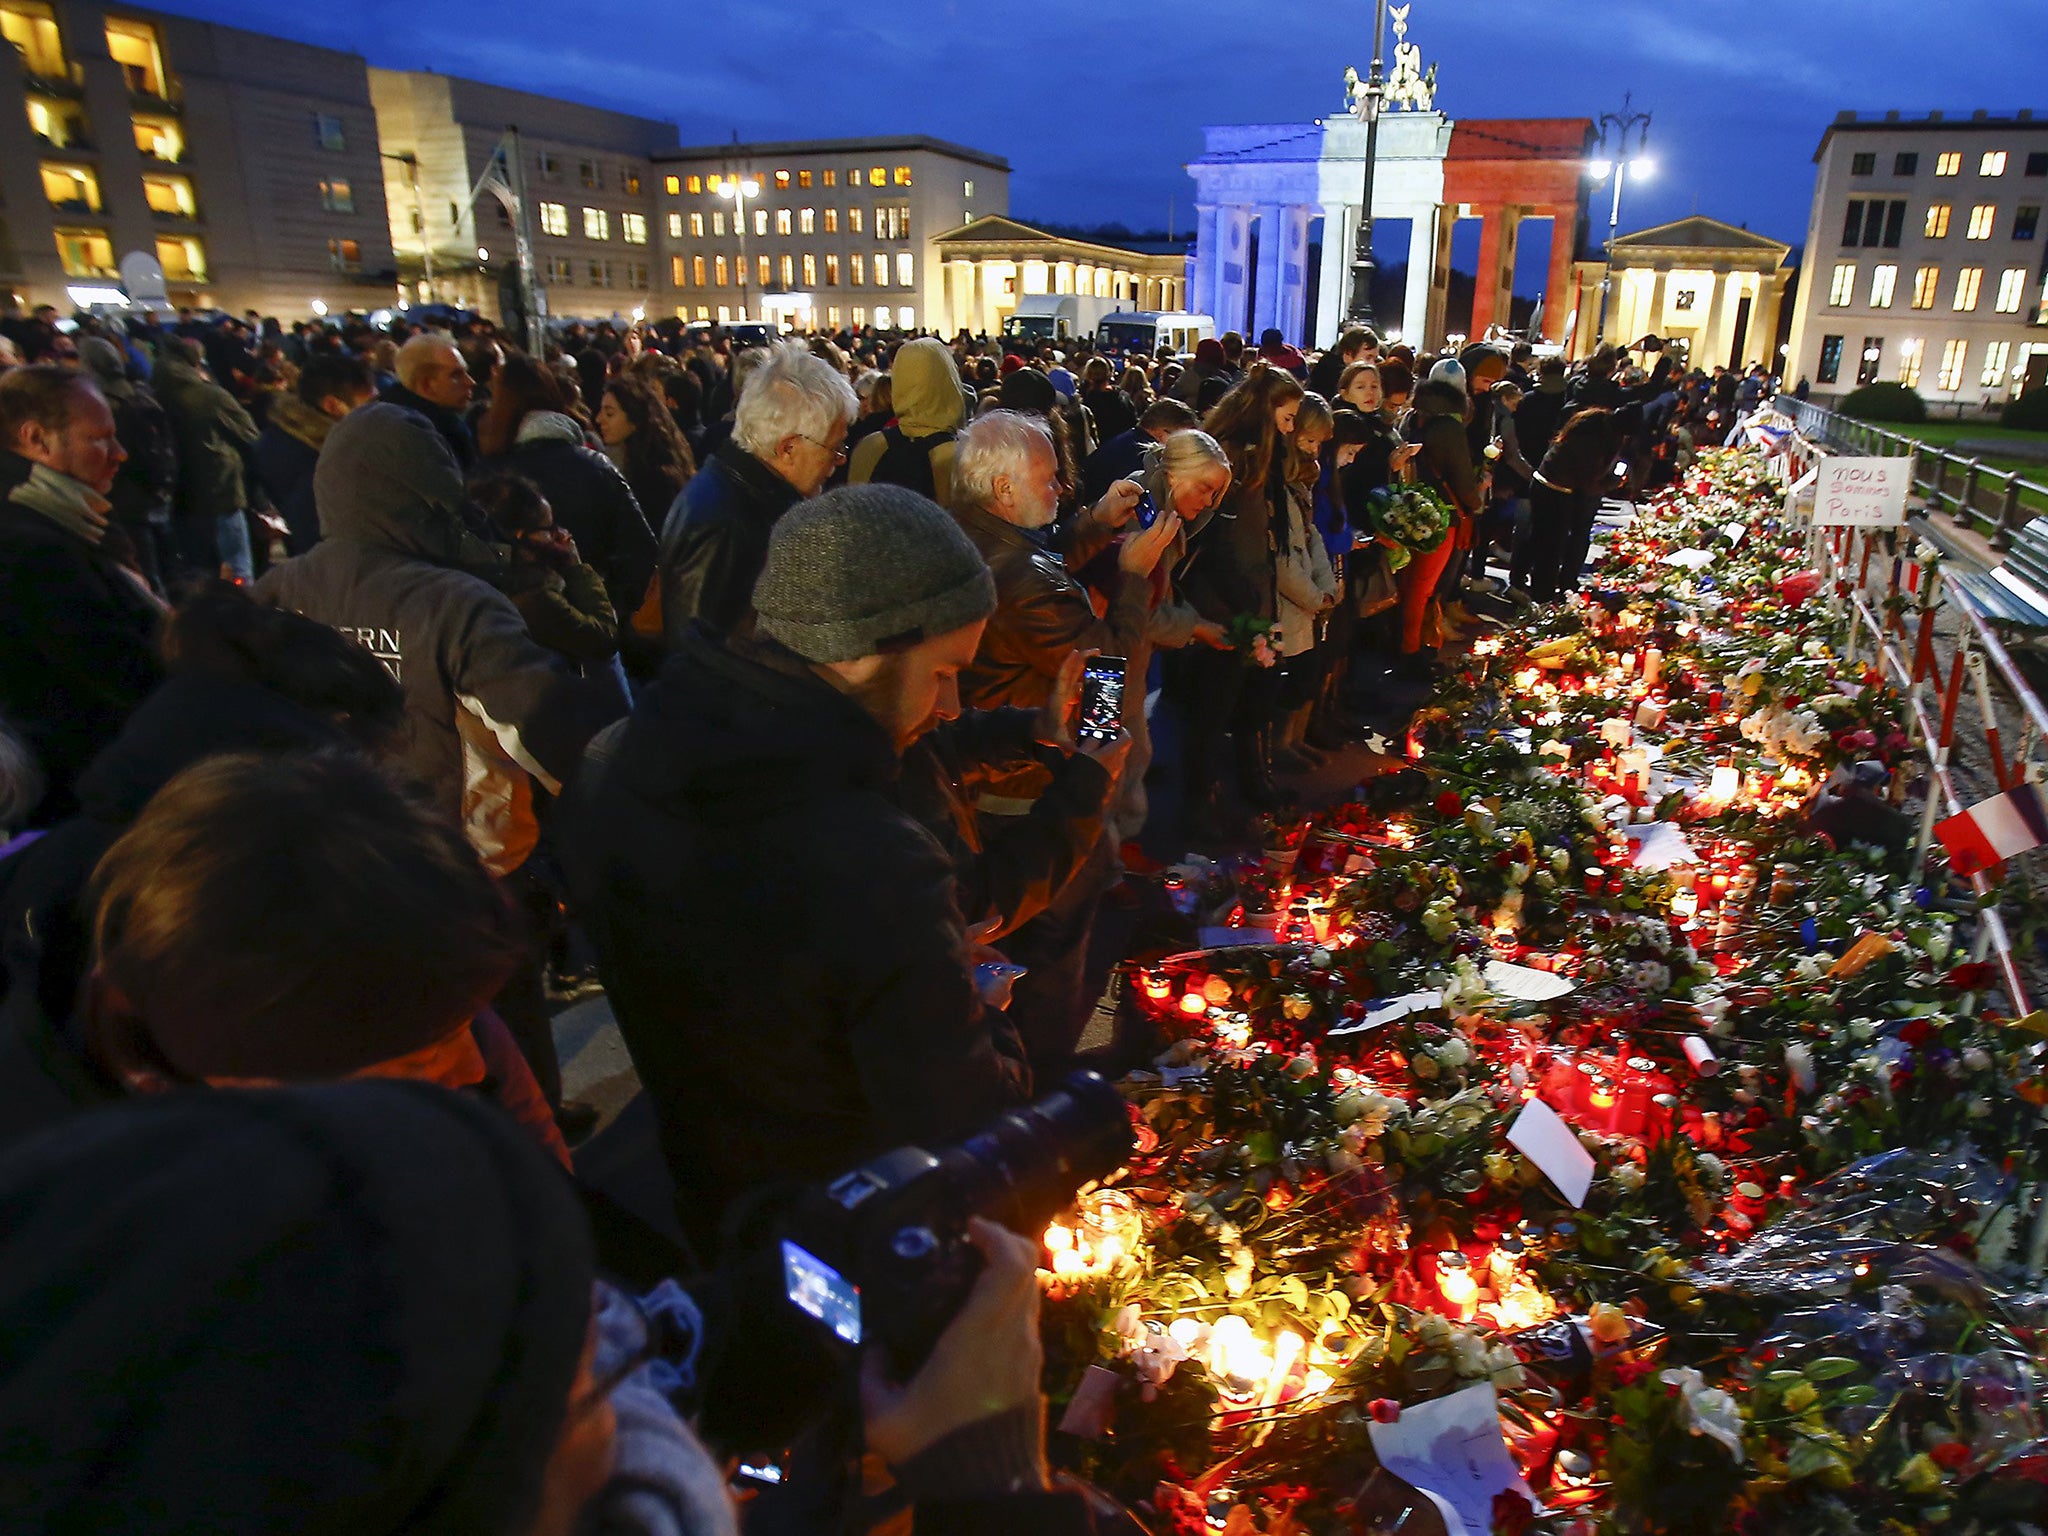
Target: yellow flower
1920,1475
1801,1398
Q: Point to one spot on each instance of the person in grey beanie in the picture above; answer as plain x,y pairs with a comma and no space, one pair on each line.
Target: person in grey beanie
777,931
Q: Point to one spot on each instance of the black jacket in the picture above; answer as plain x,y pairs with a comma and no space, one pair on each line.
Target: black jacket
453,429
777,932
77,642
592,500
285,455
715,542
1119,456
1537,420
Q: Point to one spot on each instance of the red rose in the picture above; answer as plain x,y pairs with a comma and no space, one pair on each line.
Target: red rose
1384,1410
1950,1454
1449,804
1971,976
1920,1031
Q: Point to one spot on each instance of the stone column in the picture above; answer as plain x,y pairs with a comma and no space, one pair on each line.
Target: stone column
1415,303
1293,297
1233,250
1272,247
1208,256
1652,324
1770,298
1714,341
1437,326
1557,300
1486,279
1333,291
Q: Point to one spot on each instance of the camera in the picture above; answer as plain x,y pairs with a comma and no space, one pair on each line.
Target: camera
879,1258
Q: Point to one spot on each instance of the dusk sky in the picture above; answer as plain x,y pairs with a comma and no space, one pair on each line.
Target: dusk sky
1097,105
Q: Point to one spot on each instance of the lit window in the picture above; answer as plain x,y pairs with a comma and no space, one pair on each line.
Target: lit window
860,315
782,181
1925,282
1937,221
857,271
554,218
335,197
170,195
1871,358
1952,356
881,269
561,270
696,225
672,185
2012,290
803,178
902,177
675,226
87,253
761,269
1995,355
719,276
853,217
342,255
73,188
1993,164
831,178
630,178
1882,281
693,183
1950,164
1909,363
1968,280
703,313
877,176
831,270
832,316
810,270
1843,289
788,267
591,174
1981,219
133,46
831,221
967,216
677,270
905,268
597,224
760,221
156,138
967,189
633,228
807,221
782,221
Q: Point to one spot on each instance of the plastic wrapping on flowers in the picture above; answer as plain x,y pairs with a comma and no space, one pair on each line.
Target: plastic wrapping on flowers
1797,1295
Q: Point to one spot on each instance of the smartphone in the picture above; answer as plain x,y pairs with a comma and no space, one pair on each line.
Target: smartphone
815,1287
1148,509
1102,699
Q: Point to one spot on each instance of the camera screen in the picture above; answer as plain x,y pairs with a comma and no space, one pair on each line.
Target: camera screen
1102,699
817,1288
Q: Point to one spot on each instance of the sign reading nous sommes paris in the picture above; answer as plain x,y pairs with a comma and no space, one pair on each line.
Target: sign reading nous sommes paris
1861,493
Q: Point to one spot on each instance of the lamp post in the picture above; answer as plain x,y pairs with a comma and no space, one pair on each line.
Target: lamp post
737,189
1617,163
1371,98
411,162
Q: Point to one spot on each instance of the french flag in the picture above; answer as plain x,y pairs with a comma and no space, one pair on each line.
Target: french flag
1994,830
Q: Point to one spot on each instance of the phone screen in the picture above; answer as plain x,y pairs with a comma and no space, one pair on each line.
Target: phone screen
817,1288
1102,699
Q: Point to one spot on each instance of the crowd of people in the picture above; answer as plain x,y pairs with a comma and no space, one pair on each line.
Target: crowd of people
359,687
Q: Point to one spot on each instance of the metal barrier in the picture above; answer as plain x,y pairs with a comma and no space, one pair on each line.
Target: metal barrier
1891,584
1954,483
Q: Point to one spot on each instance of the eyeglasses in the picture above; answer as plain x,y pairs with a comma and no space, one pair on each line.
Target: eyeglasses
839,454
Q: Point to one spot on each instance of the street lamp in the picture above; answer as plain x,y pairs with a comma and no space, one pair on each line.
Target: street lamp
737,189
1371,99
1618,162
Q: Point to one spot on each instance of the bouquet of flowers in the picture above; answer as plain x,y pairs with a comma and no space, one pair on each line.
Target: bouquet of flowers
1258,638
1413,516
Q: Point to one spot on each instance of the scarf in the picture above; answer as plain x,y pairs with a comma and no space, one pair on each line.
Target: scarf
71,504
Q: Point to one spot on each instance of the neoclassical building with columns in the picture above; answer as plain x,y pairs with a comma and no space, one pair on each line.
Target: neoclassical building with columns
1273,197
1715,288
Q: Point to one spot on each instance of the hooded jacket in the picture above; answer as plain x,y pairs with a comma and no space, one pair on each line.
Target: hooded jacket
777,932
716,541
591,499
286,452
930,404
485,703
1445,463
77,639
212,431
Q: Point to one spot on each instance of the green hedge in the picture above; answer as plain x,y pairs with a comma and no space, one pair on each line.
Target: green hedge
2029,413
1884,402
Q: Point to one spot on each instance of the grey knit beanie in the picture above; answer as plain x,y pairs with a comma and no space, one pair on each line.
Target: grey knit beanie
865,564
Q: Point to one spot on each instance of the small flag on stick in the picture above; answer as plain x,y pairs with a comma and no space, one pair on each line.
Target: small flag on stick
1994,830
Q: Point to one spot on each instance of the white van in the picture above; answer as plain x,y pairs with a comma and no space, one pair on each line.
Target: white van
1146,330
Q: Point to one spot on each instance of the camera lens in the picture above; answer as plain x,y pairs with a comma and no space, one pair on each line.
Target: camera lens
1025,1167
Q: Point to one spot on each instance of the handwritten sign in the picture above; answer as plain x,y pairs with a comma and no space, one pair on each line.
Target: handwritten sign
1453,1451
1861,492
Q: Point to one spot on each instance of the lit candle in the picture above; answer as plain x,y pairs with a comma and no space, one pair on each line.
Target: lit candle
1454,1280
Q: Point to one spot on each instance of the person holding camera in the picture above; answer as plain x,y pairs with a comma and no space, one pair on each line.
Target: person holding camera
778,933
417,1343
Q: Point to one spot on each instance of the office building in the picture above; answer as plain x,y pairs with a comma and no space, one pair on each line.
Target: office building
588,181
1924,258
822,233
244,165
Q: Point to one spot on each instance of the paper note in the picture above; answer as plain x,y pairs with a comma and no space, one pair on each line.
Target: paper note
1659,845
1523,983
1553,1147
1452,1449
1390,1009
1690,559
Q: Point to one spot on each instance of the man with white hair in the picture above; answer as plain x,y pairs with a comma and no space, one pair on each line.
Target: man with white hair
788,435
434,380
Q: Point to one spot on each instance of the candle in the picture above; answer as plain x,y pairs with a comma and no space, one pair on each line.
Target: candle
1653,666
1454,1280
1701,1055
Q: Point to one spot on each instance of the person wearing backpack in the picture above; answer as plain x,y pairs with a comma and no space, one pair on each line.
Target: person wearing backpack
916,450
